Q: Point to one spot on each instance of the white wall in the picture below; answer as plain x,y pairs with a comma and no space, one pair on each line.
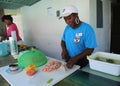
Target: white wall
102,34
43,29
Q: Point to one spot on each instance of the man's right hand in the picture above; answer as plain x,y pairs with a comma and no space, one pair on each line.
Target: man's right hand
65,56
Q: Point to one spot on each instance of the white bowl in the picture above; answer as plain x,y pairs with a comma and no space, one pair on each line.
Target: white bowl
13,67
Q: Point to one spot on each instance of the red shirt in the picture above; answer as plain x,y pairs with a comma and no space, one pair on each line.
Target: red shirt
11,28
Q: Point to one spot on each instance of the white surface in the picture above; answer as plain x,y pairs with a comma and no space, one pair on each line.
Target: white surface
113,69
39,79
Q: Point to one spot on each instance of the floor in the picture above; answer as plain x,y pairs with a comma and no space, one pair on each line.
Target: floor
3,62
3,82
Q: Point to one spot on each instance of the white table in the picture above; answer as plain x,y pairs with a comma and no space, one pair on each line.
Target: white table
39,79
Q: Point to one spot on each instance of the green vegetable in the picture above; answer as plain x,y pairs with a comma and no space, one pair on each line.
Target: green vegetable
105,59
98,58
50,80
109,60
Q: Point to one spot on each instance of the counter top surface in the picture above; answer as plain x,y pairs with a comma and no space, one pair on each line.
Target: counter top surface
41,78
83,77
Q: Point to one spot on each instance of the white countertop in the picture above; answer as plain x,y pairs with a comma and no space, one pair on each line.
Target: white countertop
39,79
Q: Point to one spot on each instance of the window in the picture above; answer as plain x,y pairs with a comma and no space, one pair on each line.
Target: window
99,14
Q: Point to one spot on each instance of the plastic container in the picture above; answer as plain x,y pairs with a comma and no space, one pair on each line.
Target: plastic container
3,49
110,63
13,67
13,34
13,46
32,57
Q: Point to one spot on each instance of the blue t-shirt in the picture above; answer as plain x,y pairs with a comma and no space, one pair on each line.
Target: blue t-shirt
77,40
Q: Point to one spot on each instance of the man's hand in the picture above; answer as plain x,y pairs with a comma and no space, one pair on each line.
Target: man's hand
71,62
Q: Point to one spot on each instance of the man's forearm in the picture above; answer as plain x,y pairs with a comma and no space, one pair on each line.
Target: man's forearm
63,45
86,52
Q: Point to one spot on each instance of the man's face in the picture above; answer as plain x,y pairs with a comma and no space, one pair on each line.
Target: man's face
70,20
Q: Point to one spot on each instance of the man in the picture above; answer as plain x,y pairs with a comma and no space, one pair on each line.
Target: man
78,39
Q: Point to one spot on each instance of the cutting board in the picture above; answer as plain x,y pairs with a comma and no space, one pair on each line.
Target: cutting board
39,79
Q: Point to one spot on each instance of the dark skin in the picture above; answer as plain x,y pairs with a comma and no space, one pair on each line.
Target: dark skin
70,20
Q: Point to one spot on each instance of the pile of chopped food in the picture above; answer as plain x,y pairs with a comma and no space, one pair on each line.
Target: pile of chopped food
108,60
105,59
31,70
22,47
51,66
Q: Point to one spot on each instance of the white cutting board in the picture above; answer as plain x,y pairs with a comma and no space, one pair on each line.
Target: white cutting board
39,79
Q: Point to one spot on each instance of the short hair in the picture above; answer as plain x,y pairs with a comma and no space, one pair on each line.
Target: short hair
7,17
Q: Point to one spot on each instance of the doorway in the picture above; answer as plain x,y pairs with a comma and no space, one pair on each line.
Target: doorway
2,27
115,27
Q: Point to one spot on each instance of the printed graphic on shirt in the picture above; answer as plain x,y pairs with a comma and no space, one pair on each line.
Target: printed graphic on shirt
77,38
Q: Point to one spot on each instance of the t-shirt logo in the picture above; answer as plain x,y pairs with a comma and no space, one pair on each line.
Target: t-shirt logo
77,38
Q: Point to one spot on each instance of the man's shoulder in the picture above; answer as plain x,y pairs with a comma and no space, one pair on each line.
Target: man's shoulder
67,26
86,24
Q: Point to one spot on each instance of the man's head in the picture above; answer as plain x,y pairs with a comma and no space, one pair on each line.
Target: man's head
70,15
68,10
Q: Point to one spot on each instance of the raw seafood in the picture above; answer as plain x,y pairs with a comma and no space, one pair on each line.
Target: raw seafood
51,66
